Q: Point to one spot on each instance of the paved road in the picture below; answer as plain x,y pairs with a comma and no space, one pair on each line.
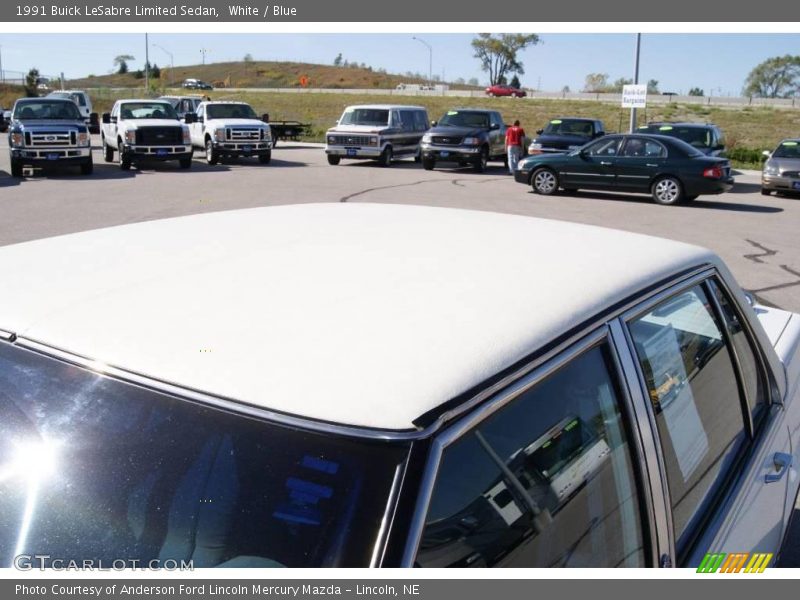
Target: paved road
756,235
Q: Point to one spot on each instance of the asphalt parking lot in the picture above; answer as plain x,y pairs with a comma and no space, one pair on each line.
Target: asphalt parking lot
757,236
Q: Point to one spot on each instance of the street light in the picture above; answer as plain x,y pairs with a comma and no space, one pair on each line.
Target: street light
430,59
171,63
203,52
635,78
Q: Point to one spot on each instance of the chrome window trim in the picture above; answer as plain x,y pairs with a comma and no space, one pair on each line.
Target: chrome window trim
379,547
7,335
594,338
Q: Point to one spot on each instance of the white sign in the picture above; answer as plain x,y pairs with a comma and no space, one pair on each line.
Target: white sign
634,96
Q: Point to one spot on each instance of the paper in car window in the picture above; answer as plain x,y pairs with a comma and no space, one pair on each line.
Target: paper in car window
452,112
556,122
665,128
672,395
789,144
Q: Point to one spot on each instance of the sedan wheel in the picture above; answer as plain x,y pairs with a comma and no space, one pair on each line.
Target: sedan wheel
545,182
667,190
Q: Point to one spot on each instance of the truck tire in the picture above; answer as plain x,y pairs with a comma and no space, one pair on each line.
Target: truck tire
480,162
265,158
428,163
123,160
16,168
108,151
185,163
333,159
212,155
87,168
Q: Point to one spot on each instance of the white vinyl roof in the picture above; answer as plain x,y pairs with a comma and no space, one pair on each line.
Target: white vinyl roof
364,315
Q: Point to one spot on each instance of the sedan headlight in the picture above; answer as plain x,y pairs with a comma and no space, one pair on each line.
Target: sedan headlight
130,136
219,134
771,169
17,139
187,136
83,138
472,141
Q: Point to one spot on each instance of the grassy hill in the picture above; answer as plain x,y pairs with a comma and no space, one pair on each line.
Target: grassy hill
259,74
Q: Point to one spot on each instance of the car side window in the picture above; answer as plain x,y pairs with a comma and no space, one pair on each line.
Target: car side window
421,118
201,111
694,394
753,378
643,148
407,119
607,147
548,480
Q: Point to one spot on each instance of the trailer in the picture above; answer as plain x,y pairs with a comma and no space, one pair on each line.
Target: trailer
288,130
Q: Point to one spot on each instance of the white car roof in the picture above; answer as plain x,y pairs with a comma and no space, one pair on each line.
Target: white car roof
386,107
362,315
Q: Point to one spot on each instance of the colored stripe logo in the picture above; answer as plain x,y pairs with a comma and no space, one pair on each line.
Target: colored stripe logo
736,562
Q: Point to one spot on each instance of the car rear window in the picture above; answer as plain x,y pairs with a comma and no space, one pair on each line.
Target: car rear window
94,468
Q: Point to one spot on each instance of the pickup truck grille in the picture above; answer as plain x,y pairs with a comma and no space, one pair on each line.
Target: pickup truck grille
244,135
159,136
350,140
447,140
52,139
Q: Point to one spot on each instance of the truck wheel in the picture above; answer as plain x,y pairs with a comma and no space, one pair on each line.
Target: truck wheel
108,151
479,166
385,159
333,159
212,156
87,168
124,160
16,168
185,163
265,158
428,163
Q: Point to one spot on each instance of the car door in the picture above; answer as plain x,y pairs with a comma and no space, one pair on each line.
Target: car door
196,128
639,160
497,135
720,436
592,166
113,127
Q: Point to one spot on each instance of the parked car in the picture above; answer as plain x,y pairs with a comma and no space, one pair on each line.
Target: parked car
196,84
505,90
467,136
5,119
84,104
183,105
48,132
145,130
668,169
564,134
781,171
705,137
471,389
379,132
230,129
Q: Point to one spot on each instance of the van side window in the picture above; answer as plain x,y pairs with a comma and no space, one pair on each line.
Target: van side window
546,481
694,394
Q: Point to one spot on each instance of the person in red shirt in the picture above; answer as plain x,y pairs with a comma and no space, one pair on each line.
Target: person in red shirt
515,138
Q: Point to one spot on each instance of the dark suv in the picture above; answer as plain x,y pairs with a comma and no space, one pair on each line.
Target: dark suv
706,137
467,136
565,134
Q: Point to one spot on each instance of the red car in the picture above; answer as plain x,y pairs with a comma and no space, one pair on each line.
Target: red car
505,90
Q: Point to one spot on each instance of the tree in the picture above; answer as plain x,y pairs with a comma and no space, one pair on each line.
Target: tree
652,86
473,81
696,91
515,82
32,83
565,90
595,82
248,58
337,62
155,72
619,84
121,63
777,77
499,54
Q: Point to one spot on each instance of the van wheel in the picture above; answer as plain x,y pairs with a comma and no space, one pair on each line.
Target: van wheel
544,181
667,191
16,168
108,152
212,155
385,159
87,168
428,164
333,159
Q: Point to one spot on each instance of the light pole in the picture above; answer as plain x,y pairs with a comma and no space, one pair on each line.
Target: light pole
635,79
2,75
430,59
146,64
171,62
203,52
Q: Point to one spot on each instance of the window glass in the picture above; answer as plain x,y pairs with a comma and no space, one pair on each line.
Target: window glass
421,120
643,148
752,374
693,391
407,120
546,481
604,147
92,468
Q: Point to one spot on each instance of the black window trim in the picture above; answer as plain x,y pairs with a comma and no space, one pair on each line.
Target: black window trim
596,337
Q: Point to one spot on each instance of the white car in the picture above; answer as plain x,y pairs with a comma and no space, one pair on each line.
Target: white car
376,385
230,129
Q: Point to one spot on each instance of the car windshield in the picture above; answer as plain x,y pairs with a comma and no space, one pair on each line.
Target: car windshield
147,110
46,109
365,116
569,127
697,137
76,98
788,149
94,468
465,118
230,111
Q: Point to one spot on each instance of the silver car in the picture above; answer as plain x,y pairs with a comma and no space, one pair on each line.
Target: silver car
782,168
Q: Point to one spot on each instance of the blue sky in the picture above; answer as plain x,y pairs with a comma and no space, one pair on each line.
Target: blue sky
718,62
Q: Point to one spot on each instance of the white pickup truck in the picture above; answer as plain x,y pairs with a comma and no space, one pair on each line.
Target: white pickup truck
230,129
145,130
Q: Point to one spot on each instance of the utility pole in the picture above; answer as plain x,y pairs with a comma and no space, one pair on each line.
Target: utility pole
146,64
430,59
635,79
203,52
2,74
171,62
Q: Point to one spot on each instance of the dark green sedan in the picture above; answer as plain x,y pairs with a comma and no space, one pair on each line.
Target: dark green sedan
668,169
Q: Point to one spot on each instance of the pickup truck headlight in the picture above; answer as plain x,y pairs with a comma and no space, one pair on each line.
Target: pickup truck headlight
427,138
17,140
219,134
83,138
266,135
535,146
130,136
472,141
187,136
771,169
